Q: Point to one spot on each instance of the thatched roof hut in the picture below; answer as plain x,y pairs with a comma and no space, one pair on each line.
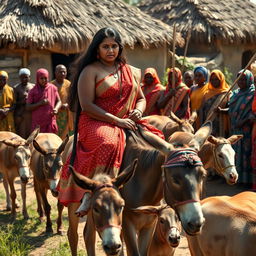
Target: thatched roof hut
32,31
221,30
68,25
230,21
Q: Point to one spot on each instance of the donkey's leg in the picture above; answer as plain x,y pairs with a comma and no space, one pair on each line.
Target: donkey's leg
90,236
59,219
23,196
47,209
38,200
7,192
144,239
13,197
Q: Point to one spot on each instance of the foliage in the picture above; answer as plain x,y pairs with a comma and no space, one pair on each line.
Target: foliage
187,65
12,241
228,75
63,250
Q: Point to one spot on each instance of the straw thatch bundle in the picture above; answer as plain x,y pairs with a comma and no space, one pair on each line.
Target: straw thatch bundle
70,24
231,21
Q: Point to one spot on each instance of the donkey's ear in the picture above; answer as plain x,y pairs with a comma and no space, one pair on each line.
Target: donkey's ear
82,181
201,136
193,117
39,148
63,145
126,175
213,140
148,209
33,135
175,118
235,138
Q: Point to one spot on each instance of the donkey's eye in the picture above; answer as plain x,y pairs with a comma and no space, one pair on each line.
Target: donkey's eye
176,181
161,221
96,210
220,156
120,209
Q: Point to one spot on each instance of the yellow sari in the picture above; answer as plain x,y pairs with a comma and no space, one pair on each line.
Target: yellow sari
6,101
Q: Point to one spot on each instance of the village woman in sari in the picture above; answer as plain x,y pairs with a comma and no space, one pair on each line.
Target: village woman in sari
109,99
240,112
175,98
217,88
64,116
152,88
7,101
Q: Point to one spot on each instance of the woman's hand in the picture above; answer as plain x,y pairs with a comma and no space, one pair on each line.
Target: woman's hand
54,111
171,93
126,123
135,115
44,102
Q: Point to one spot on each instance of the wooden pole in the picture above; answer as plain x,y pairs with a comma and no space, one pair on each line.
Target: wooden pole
212,115
173,62
186,49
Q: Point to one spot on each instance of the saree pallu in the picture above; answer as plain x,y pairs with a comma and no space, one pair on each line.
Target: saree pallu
253,156
240,108
7,100
101,144
175,103
151,99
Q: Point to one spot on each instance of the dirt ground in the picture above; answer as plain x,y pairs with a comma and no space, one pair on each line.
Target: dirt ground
213,187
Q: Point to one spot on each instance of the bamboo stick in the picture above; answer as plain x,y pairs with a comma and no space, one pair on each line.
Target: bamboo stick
186,49
173,63
212,115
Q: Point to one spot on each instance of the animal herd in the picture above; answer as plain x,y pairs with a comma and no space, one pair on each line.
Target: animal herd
156,194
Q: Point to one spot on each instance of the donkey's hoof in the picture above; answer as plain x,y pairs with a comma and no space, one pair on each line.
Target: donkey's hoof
49,230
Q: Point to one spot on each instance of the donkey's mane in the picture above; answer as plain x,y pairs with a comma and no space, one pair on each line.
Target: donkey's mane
102,177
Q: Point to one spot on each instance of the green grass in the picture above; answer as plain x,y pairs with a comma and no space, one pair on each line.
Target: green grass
63,250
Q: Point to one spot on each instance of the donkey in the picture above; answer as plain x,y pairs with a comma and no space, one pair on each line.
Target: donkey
171,124
106,208
181,185
46,164
216,153
167,232
15,155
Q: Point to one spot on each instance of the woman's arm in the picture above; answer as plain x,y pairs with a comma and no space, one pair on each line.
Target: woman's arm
33,106
58,105
163,100
86,94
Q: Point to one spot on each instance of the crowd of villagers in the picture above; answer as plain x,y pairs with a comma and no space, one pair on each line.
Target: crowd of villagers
24,106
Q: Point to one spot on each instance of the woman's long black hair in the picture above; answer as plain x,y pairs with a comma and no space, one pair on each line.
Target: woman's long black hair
82,61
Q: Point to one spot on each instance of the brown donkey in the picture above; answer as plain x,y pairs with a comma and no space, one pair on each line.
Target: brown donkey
106,208
15,155
167,231
163,170
46,163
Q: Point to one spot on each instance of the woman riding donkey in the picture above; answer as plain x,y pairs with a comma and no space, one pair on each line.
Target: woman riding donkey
107,98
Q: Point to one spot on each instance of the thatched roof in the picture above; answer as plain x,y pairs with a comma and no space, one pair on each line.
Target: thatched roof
71,24
230,21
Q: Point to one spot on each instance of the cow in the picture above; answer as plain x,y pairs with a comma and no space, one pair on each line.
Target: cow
167,231
46,163
159,175
106,208
15,155
230,227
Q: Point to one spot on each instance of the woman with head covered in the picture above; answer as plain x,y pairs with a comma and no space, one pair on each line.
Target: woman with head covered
44,102
6,104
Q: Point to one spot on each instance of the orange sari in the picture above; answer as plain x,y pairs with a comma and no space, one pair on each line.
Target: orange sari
101,144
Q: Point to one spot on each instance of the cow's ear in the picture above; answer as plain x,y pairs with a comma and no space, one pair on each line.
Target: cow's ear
32,136
63,145
39,148
126,175
83,181
235,138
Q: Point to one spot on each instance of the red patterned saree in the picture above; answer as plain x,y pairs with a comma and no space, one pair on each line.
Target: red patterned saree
100,144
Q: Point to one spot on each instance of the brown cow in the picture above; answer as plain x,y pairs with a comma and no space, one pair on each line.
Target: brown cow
46,163
181,187
216,153
15,154
167,232
230,227
171,124
106,208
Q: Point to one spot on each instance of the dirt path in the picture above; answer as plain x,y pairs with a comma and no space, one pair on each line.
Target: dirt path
45,243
